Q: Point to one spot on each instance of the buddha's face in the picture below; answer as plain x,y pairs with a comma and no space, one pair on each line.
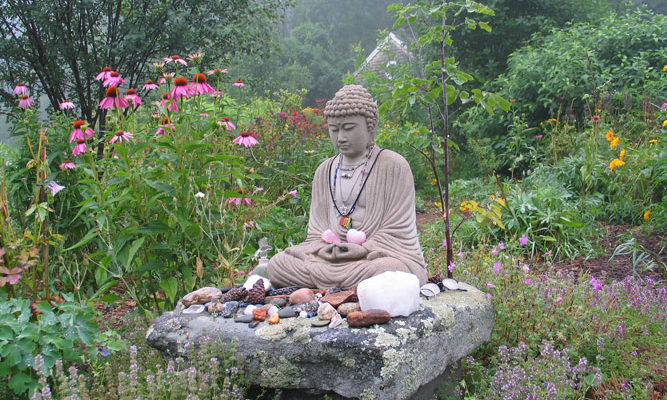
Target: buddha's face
350,135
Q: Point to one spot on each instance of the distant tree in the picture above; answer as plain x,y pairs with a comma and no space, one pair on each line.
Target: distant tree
58,47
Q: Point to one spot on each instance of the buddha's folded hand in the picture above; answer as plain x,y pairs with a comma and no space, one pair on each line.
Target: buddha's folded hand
337,252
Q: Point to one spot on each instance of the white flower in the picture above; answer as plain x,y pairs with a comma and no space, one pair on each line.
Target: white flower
200,195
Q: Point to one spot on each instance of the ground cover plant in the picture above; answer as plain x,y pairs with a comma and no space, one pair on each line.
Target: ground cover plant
108,221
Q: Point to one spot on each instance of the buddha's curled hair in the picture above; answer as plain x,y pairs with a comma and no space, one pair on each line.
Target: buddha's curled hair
354,100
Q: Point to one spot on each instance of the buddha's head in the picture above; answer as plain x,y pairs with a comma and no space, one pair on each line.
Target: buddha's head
352,116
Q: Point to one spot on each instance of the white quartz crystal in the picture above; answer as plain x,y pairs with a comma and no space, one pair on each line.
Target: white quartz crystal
254,278
393,291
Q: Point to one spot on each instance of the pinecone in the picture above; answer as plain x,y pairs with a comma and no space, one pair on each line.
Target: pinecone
256,294
435,279
235,294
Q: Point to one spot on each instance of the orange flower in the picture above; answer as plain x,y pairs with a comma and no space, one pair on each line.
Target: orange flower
653,141
622,155
610,135
616,163
614,142
647,215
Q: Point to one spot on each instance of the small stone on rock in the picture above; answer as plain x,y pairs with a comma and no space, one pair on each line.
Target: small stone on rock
201,296
367,318
254,324
274,318
325,311
310,307
287,312
272,310
301,296
336,320
319,322
259,314
346,308
244,318
248,310
229,309
194,309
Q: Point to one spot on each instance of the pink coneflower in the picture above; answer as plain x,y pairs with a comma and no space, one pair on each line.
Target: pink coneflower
180,88
596,118
238,83
132,97
80,147
168,102
524,240
77,133
238,200
20,89
200,86
150,85
66,105
89,132
113,99
245,140
54,187
217,71
175,59
217,93
164,123
67,165
224,121
25,101
121,136
114,79
102,76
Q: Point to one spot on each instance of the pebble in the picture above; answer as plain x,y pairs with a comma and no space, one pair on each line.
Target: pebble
287,312
194,309
248,310
303,314
272,310
338,298
301,296
319,322
244,318
310,307
259,314
230,308
253,324
346,308
368,318
279,301
335,320
325,311
274,319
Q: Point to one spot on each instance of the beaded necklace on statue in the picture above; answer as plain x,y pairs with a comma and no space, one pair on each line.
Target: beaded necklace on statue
343,211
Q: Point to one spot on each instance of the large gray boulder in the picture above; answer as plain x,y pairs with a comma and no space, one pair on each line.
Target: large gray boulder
389,361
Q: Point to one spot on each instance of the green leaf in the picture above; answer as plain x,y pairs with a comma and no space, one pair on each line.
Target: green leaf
170,287
485,26
89,236
21,382
136,245
153,227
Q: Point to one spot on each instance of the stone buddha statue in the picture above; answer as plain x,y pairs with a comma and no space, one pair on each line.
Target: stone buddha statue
363,190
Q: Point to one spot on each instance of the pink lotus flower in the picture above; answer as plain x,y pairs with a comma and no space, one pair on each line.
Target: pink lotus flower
168,102
200,86
175,59
501,245
245,139
20,89
54,187
238,83
80,147
10,276
132,97
224,121
121,136
524,240
104,75
496,267
25,102
596,285
113,99
180,89
355,236
114,79
330,237
77,133
66,105
150,85
67,165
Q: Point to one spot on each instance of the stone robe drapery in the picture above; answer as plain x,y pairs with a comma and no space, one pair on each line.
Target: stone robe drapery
388,219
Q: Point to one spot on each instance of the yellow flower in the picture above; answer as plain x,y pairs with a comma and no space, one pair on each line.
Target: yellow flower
553,120
647,215
434,182
614,142
653,141
622,155
664,69
616,163
610,135
664,123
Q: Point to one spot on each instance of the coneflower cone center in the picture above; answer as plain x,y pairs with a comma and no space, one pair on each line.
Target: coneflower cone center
80,141
165,120
180,81
245,134
24,96
165,96
115,74
106,69
112,91
131,92
78,124
199,78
